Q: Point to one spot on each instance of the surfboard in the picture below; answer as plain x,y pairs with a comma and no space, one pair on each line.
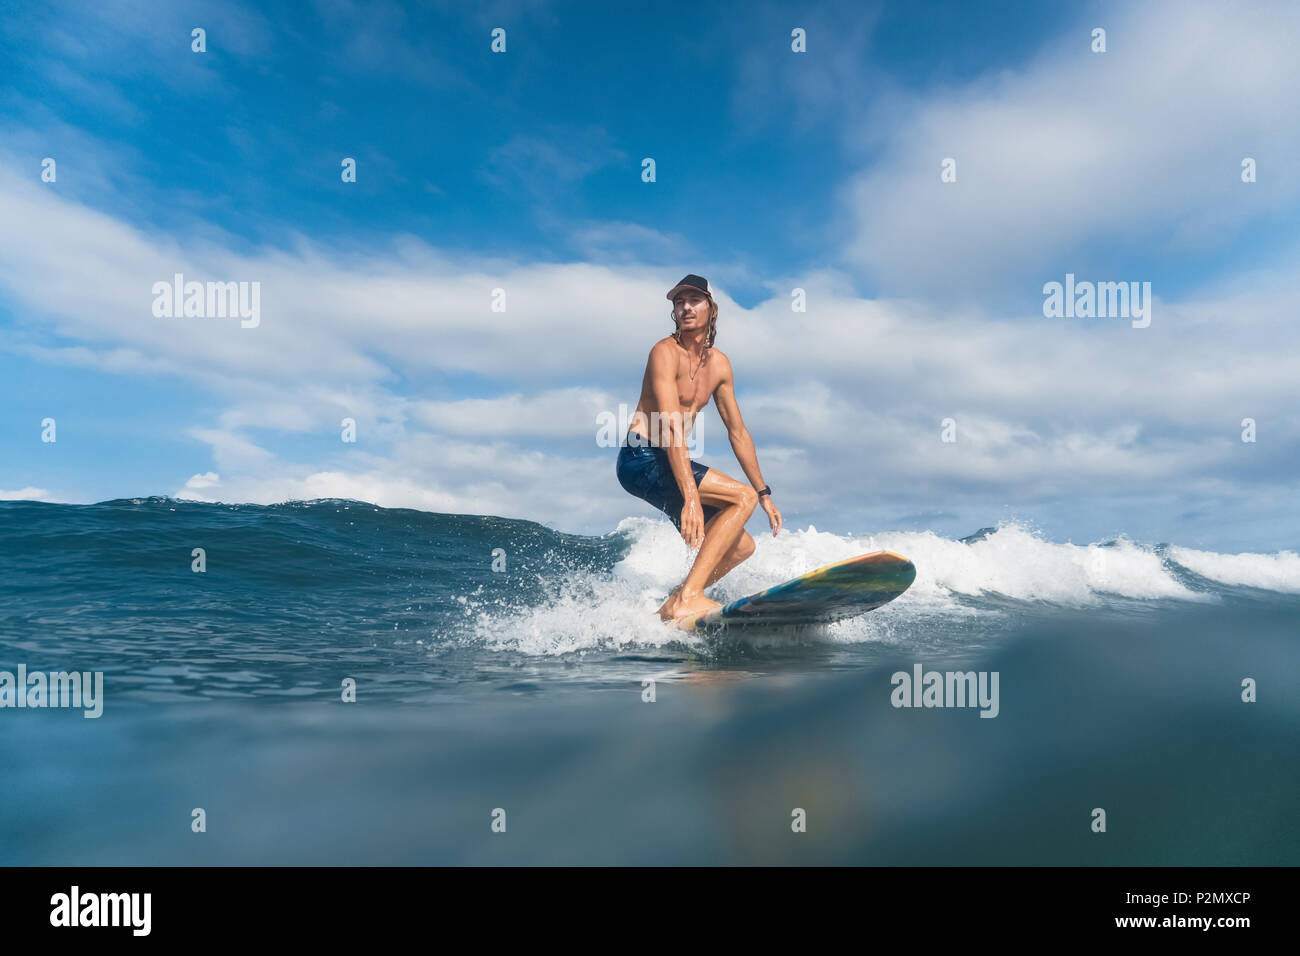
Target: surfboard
837,591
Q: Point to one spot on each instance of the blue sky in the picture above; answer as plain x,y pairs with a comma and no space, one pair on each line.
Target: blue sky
775,170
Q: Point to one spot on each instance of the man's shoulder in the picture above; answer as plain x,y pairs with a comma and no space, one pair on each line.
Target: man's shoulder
663,351
724,363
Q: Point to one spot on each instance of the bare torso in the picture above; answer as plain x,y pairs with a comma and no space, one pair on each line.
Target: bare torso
691,395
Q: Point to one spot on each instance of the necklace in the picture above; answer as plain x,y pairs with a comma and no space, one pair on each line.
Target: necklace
703,357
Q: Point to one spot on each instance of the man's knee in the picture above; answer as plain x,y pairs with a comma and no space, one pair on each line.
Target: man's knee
748,499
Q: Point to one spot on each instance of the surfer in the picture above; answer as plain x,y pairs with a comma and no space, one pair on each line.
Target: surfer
708,507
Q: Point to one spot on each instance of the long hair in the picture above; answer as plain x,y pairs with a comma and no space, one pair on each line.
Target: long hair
713,325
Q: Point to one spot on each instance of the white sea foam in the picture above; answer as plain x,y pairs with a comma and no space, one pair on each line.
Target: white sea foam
955,580
1017,563
1272,572
1012,561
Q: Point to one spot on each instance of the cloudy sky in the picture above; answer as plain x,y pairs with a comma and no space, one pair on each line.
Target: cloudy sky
775,171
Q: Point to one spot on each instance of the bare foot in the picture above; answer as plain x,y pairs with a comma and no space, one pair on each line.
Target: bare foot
700,604
679,605
666,609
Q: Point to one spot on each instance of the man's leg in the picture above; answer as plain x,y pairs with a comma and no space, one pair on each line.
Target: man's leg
737,501
737,555
742,551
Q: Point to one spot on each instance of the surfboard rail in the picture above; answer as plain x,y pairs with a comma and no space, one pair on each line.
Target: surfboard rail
831,593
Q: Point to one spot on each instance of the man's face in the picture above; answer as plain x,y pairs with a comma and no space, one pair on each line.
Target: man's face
692,310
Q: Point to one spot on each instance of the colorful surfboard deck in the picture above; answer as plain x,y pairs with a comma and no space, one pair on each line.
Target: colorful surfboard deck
836,591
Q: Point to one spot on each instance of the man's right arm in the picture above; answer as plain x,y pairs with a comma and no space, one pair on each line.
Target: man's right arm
671,435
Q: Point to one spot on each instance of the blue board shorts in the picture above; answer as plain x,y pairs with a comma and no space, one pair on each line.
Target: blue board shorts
644,471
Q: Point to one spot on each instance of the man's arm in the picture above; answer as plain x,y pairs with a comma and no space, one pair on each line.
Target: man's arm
741,442
670,434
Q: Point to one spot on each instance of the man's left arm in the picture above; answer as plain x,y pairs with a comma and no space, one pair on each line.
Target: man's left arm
742,444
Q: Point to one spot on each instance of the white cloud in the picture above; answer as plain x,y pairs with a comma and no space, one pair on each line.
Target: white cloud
546,414
843,400
1137,149
26,494
462,409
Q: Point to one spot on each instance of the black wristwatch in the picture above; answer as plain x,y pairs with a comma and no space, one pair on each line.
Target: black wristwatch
767,490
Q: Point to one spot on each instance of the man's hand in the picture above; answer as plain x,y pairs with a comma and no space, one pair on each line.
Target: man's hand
773,514
692,523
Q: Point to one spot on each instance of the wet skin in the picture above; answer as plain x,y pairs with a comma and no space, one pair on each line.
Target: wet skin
667,388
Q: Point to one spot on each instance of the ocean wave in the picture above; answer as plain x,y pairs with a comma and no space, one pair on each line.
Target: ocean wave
1269,572
989,574
433,580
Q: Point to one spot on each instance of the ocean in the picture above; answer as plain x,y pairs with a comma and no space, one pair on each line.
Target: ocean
517,701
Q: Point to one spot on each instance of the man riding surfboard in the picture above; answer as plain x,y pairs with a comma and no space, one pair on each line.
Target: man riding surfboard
708,507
